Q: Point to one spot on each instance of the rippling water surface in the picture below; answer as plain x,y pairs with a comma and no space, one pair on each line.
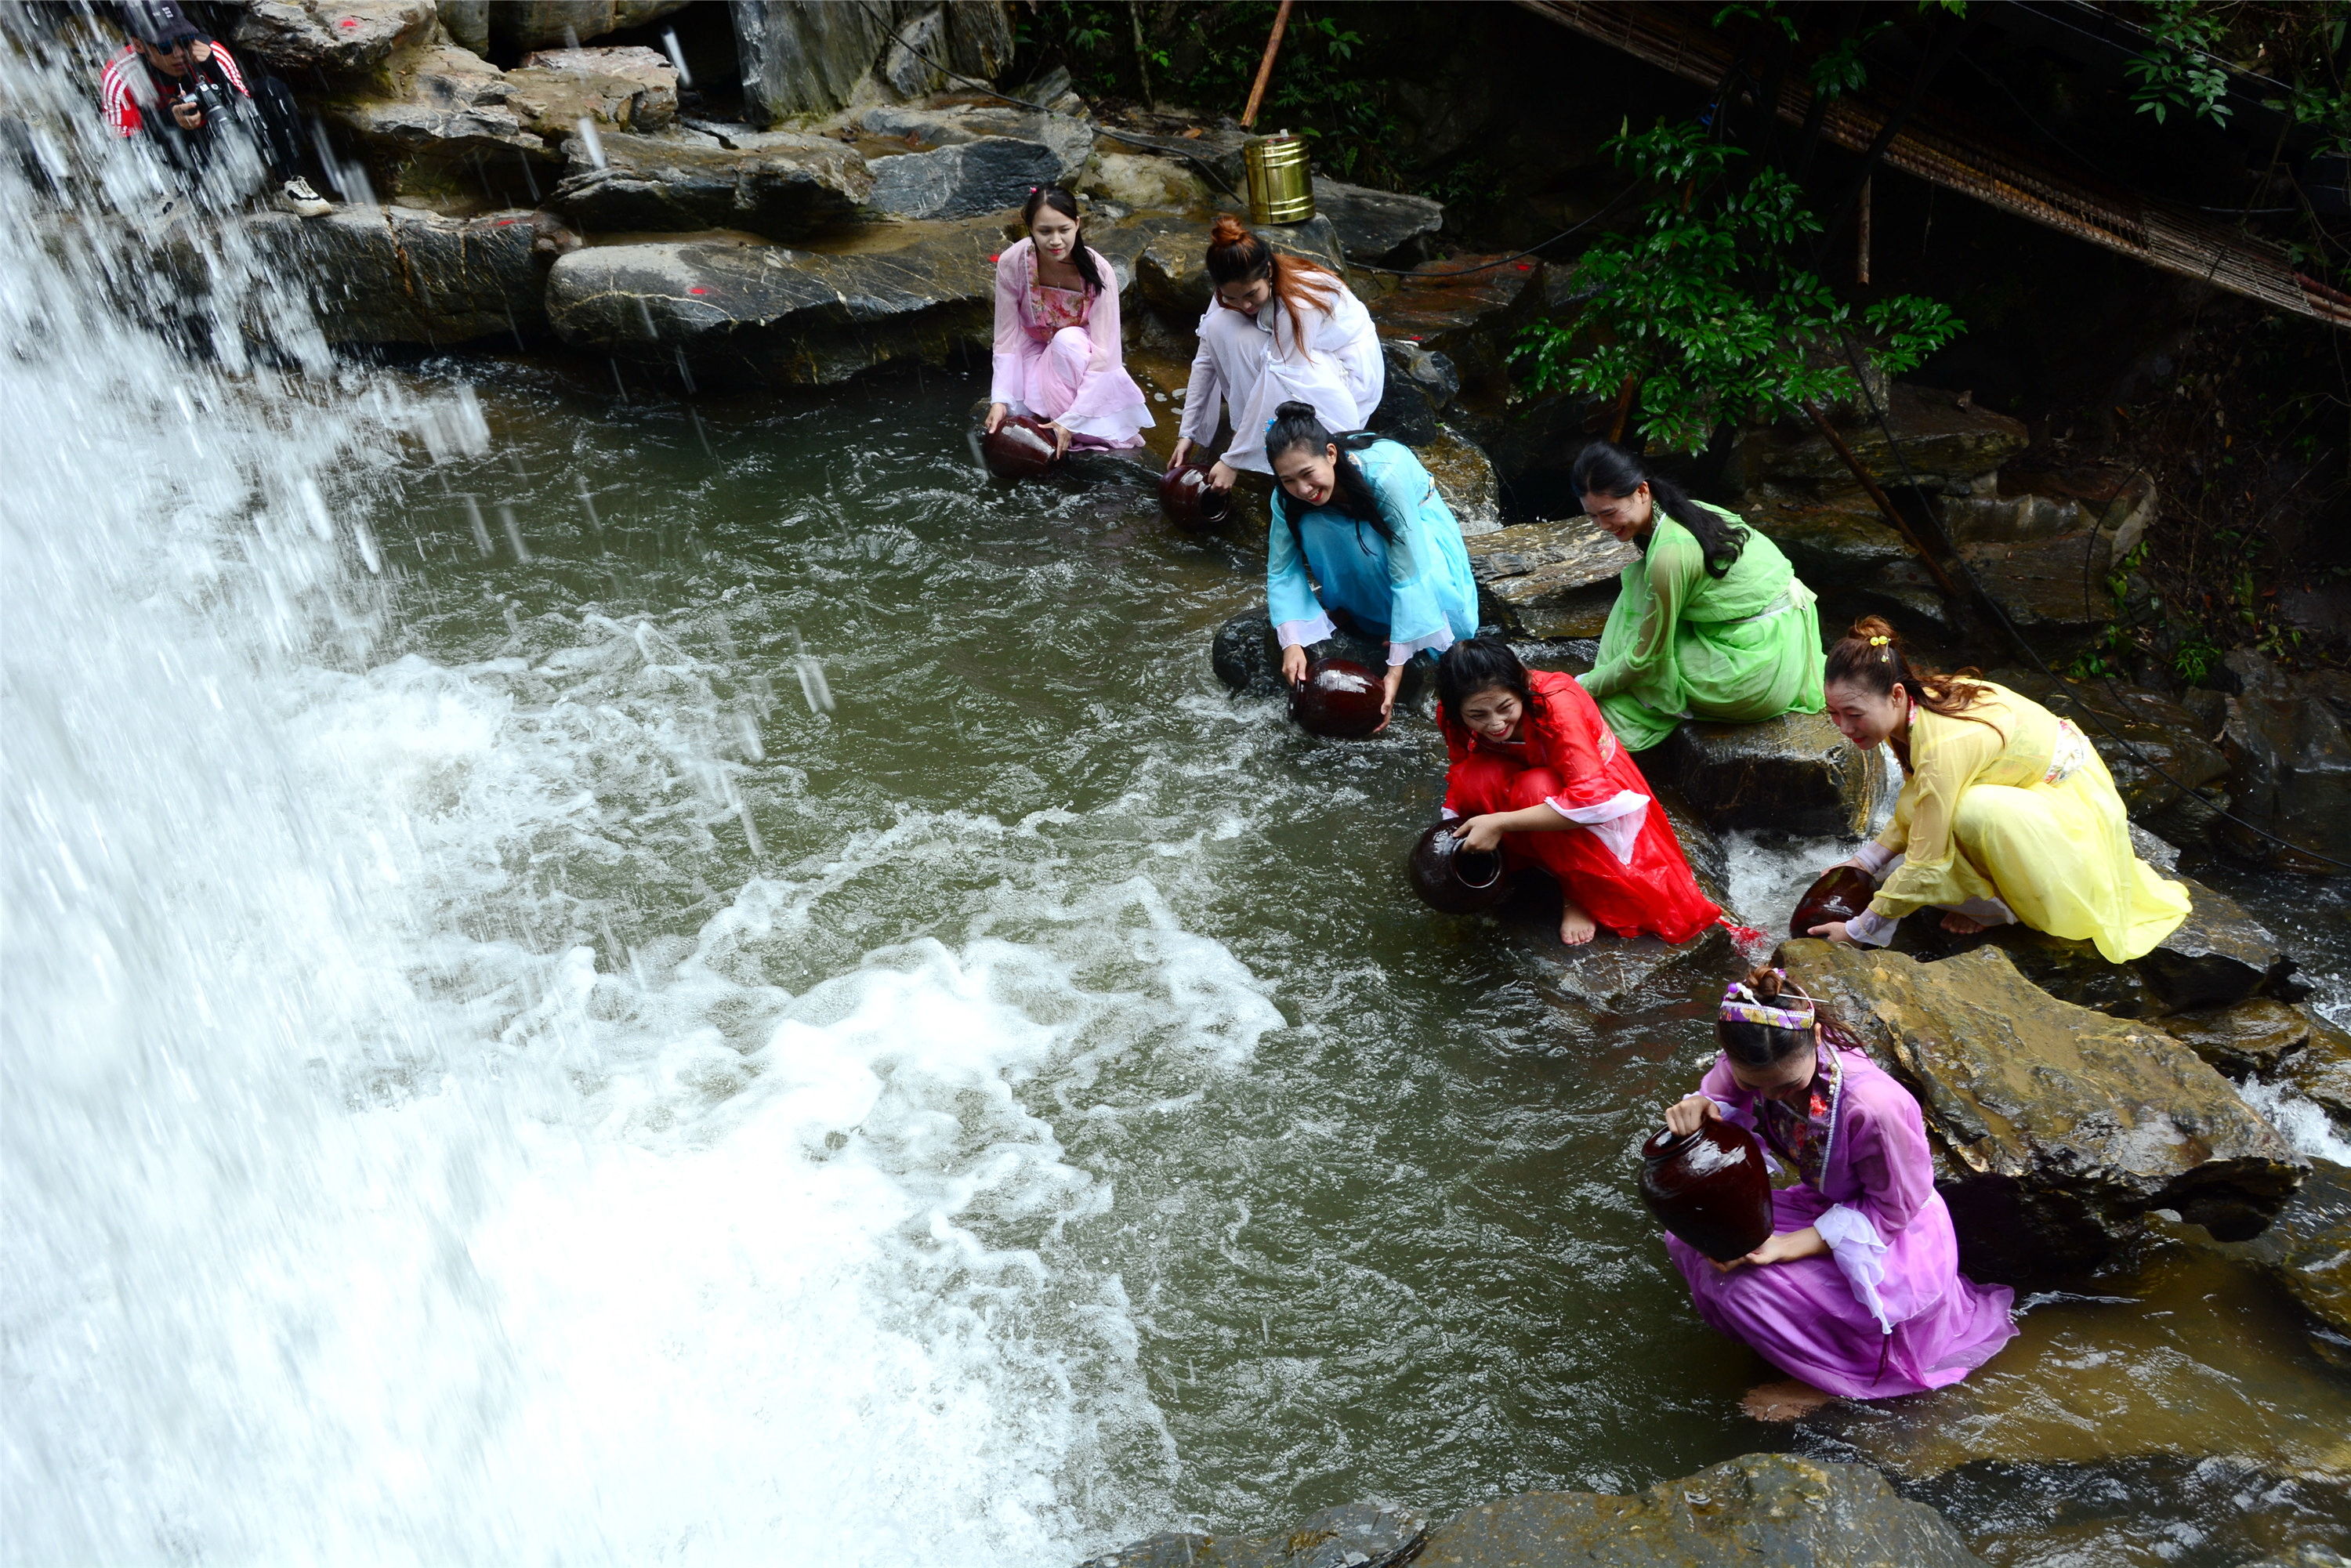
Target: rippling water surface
623,981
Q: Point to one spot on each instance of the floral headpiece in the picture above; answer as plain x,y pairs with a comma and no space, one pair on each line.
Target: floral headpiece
1742,1005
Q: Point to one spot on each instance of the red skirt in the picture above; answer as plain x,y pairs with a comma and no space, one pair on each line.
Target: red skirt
1653,892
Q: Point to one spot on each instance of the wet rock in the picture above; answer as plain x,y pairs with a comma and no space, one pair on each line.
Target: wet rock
336,40
2218,956
813,59
2051,585
626,88
1246,657
1794,773
1377,227
1141,182
777,184
2063,1128
2291,757
2250,1039
1069,138
963,180
2161,746
389,275
1463,314
466,21
1950,445
1419,384
1775,1509
540,24
1353,1535
2308,1249
447,120
2322,1072
1845,551
777,315
1465,478
1548,579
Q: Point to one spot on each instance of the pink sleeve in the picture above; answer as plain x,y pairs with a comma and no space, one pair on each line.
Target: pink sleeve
1012,340
1890,1157
1102,321
1720,1086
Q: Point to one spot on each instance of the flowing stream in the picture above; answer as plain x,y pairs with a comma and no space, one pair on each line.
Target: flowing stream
596,978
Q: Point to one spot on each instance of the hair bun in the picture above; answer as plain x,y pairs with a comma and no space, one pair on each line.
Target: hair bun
1871,629
1294,409
1228,230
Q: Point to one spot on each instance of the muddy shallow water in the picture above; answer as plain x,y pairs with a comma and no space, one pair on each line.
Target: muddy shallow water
1339,1199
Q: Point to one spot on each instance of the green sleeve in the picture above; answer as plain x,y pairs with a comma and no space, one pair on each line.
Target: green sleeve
1636,652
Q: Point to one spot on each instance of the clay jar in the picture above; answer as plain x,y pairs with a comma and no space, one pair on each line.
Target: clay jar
1841,895
1708,1187
1190,501
1453,879
1019,448
1339,698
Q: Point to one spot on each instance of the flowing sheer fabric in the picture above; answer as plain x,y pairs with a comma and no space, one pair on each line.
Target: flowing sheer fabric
1621,861
1887,1312
1418,592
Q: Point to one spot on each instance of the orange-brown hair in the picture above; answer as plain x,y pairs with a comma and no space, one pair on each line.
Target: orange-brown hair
1236,255
1871,656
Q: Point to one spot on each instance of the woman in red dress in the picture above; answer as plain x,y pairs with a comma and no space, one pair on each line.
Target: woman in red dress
1537,772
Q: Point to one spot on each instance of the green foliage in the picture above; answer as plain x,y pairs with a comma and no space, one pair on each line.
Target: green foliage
1704,306
2179,71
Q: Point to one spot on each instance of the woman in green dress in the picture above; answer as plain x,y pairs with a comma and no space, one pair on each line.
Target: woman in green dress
1712,622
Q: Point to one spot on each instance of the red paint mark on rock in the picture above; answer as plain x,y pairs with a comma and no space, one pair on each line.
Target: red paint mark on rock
349,22
697,290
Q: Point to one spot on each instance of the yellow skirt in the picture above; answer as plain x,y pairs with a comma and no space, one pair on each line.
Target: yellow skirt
2060,856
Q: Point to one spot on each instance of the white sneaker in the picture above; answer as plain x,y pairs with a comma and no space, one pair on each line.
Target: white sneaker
296,196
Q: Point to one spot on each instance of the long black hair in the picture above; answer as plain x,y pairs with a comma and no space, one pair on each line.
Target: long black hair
1296,424
1602,469
1061,202
1476,664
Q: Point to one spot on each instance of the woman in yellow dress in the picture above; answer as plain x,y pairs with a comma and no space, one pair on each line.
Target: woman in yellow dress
2007,812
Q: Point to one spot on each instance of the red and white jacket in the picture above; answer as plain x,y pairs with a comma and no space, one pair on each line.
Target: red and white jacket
128,89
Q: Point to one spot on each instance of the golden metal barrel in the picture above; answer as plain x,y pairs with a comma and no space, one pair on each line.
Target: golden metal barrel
1280,191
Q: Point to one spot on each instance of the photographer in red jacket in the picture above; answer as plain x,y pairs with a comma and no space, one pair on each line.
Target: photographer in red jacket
182,92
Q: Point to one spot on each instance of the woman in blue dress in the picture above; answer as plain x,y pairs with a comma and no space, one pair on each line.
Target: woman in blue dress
1361,542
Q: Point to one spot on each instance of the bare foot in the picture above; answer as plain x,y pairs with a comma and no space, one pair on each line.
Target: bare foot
1959,924
1783,1400
1575,926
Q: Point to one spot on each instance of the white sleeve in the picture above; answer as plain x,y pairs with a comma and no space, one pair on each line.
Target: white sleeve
1860,1254
1872,858
1872,929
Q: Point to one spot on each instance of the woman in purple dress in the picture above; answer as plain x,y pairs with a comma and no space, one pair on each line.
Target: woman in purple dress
1859,1293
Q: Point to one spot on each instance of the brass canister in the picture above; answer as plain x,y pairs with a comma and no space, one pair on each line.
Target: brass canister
1280,191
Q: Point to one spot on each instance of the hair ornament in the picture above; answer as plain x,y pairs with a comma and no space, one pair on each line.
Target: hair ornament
1742,1005
1879,642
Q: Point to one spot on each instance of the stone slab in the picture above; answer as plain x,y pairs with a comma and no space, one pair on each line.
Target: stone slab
1794,773
780,184
1550,580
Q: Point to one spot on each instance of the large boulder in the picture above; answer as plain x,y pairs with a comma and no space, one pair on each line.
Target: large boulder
1548,579
2309,1248
768,313
1141,182
540,24
1353,1535
2321,1070
618,88
390,275
1171,263
2291,753
813,59
1377,227
1845,551
963,180
2061,1128
1465,477
1794,773
1948,445
1465,307
2217,956
1777,1510
298,38
1420,385
444,130
922,126
2250,1039
777,184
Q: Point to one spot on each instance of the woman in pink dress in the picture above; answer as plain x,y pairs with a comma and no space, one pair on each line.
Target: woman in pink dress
1057,347
1858,1293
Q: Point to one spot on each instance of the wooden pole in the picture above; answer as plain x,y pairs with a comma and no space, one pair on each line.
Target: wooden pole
1861,250
1142,59
1265,66
1623,410
1886,505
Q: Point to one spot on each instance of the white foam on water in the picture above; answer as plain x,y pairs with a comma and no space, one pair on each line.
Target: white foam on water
346,1222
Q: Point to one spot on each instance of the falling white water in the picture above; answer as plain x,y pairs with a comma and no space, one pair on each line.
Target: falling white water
341,1228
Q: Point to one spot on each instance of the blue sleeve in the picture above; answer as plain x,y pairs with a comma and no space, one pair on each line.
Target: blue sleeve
1289,599
1420,519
